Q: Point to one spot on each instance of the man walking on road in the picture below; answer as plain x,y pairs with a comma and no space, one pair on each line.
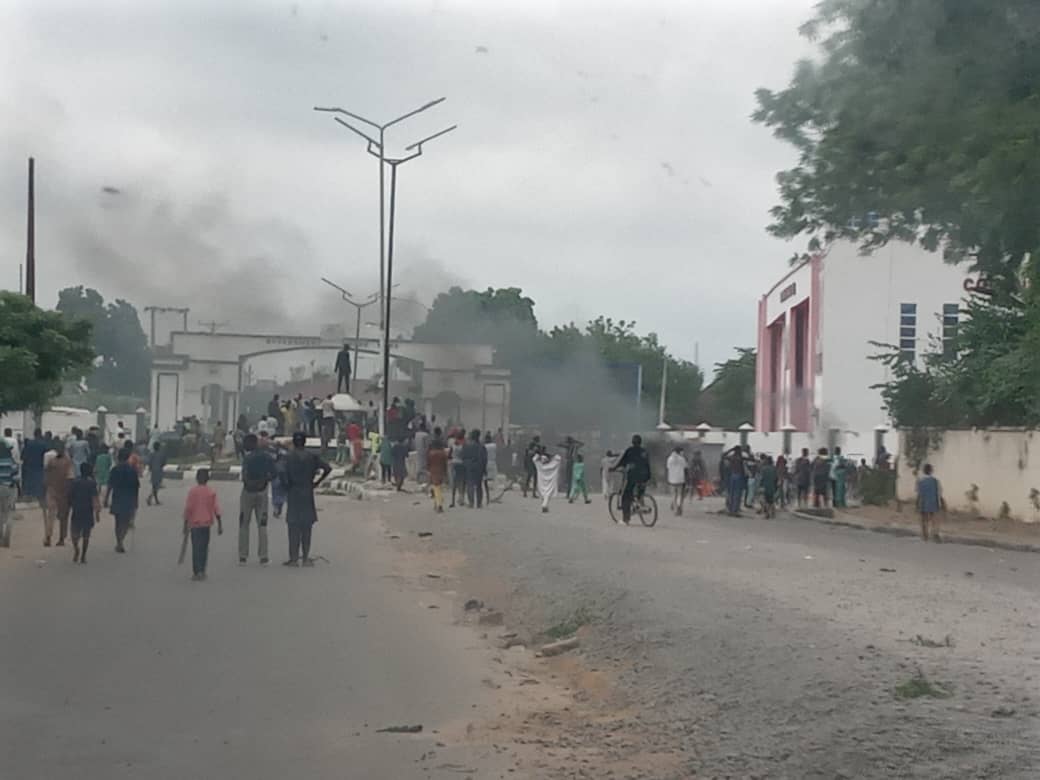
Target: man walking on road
677,467
301,468
124,486
258,470
156,464
530,467
56,477
201,509
437,462
803,478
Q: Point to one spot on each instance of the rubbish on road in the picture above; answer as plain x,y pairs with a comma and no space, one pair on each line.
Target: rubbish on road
41,563
809,557
433,576
887,571
473,604
416,729
969,574
556,648
423,534
493,618
923,641
1003,712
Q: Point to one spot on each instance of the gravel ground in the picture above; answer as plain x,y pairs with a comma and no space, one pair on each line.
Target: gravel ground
718,647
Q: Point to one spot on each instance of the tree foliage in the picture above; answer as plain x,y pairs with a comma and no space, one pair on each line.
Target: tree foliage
920,122
579,358
37,350
926,114
119,340
729,401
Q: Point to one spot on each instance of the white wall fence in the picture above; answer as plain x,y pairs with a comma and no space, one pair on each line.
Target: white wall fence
981,470
60,420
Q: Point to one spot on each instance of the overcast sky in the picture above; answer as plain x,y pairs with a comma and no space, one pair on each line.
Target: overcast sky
604,160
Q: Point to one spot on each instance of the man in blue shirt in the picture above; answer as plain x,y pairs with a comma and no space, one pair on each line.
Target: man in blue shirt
929,503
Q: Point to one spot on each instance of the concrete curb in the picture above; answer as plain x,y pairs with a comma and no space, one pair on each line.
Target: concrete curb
971,541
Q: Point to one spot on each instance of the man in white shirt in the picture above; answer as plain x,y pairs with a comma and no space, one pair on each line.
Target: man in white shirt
676,467
328,422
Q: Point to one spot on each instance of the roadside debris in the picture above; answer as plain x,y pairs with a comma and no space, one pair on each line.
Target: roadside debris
416,729
473,604
423,534
556,648
493,618
923,641
887,571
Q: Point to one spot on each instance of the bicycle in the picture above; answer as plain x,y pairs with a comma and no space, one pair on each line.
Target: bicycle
643,504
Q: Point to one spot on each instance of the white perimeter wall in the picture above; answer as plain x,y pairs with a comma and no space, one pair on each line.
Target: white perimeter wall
1005,464
861,297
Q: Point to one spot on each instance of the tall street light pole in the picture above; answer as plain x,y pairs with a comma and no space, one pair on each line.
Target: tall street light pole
377,149
416,150
358,306
380,129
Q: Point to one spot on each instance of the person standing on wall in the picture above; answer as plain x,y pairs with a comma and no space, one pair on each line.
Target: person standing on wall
343,370
301,468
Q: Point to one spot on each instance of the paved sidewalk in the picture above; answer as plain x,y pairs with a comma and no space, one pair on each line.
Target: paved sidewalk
956,528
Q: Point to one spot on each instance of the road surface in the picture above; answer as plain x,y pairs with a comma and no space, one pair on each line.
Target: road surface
124,668
710,647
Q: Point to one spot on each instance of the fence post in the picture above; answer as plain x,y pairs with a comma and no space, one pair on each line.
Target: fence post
140,427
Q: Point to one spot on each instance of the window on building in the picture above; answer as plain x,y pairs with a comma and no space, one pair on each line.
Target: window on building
908,330
950,318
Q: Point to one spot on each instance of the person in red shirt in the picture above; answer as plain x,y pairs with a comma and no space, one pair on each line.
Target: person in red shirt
354,437
201,509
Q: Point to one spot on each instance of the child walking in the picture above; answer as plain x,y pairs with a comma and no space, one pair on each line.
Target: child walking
200,510
578,483
929,503
85,506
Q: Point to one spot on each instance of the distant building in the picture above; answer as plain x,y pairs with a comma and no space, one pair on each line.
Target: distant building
815,327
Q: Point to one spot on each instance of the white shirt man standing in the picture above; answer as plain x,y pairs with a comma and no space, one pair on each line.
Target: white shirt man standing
676,466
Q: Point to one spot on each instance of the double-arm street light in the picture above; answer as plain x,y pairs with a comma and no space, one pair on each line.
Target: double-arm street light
358,306
376,147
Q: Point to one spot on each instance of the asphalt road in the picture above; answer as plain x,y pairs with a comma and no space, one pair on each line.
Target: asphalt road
125,668
754,648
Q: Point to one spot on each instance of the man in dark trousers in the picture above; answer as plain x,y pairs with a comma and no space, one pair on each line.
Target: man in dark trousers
301,468
121,497
258,470
343,370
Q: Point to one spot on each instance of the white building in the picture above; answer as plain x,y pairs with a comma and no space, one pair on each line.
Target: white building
815,332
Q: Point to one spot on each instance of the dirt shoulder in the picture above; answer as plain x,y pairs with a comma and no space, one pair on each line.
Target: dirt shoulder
957,527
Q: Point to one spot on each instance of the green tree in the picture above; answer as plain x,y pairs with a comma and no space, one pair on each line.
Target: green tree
119,340
926,114
37,350
729,401
921,122
503,318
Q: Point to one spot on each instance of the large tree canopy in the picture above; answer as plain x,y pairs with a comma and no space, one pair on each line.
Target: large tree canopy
37,350
920,121
119,340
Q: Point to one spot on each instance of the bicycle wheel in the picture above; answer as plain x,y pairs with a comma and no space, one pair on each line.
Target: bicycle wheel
646,508
614,507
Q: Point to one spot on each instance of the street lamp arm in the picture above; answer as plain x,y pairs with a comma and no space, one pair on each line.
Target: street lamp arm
346,293
418,144
419,110
348,113
358,132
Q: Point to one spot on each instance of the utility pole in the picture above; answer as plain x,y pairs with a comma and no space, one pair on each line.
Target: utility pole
377,149
30,239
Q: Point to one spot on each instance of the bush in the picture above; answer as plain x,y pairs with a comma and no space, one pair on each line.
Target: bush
878,486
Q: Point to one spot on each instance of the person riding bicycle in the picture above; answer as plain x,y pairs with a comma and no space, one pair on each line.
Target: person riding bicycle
635,462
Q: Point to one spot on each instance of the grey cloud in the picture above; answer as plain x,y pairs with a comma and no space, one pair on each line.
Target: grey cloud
201,115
